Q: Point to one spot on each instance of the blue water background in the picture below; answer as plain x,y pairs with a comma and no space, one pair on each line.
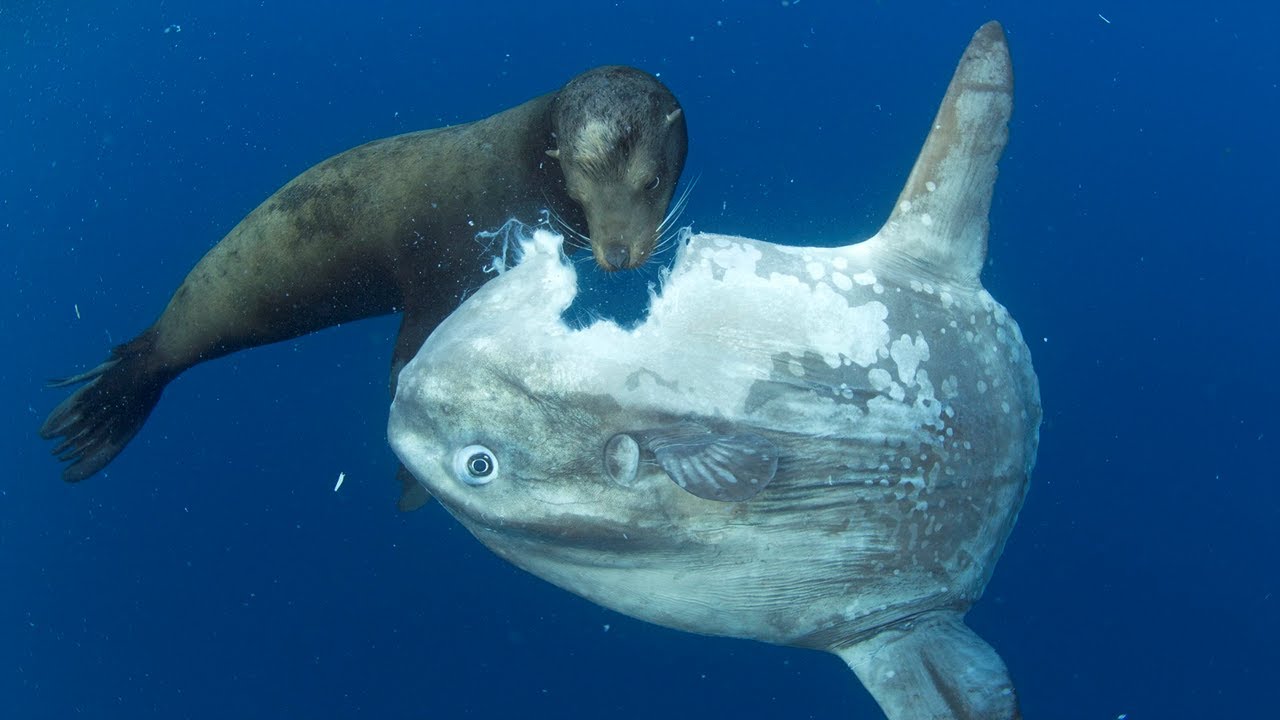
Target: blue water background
212,571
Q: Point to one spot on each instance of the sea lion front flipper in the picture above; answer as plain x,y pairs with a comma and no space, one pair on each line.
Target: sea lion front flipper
934,667
412,494
100,418
413,332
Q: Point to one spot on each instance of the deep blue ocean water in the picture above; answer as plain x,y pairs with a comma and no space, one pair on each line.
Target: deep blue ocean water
212,572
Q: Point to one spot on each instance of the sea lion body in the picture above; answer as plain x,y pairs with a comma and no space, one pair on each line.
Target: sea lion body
388,225
391,225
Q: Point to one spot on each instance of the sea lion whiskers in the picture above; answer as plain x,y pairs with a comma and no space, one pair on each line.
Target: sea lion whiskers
677,207
574,238
669,233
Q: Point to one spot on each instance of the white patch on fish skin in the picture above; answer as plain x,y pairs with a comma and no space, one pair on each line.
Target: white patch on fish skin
879,379
832,325
866,277
690,331
816,270
841,281
908,355
736,258
882,382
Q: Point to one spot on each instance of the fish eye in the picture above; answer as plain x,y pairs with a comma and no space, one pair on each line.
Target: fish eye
654,183
475,465
479,465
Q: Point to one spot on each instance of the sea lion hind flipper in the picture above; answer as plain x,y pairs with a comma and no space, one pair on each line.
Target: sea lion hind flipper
102,416
934,667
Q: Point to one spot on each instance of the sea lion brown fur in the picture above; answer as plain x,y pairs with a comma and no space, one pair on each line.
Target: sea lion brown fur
391,225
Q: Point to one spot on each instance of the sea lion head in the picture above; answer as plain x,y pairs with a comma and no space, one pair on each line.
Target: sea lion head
621,141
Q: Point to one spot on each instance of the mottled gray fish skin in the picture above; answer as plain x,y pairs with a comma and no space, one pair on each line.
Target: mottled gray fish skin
881,403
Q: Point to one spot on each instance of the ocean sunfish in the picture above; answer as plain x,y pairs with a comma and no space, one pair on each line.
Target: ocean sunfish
816,447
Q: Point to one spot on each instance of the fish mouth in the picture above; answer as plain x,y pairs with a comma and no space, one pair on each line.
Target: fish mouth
560,534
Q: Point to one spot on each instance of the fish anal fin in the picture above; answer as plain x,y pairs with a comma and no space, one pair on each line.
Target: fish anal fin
934,668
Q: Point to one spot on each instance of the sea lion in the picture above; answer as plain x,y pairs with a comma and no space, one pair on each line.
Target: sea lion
391,225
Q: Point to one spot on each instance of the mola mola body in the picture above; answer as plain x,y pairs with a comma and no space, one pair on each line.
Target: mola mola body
817,447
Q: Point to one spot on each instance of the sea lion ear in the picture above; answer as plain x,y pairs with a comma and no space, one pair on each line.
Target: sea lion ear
674,115
554,153
728,468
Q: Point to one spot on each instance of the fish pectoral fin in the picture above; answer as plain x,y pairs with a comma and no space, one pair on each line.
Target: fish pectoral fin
934,667
728,468
412,494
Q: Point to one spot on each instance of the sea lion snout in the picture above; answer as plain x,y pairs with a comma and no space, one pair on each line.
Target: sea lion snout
624,220
624,250
621,255
624,223
616,257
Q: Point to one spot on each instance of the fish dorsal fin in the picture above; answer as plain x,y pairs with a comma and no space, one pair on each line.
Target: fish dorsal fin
724,467
933,667
940,218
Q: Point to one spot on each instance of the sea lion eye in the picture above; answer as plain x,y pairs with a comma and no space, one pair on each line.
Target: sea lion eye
654,183
475,465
